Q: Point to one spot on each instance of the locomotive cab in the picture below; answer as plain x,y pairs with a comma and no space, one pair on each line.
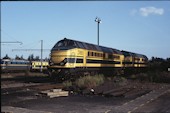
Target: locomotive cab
61,52
64,45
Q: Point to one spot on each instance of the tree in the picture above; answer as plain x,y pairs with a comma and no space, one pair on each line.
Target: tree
21,57
17,57
37,58
156,59
159,64
6,57
168,59
46,59
31,57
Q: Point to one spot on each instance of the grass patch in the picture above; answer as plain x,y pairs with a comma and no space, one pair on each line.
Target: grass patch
67,84
89,81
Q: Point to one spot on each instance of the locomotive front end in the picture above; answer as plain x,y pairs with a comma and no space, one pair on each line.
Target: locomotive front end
62,56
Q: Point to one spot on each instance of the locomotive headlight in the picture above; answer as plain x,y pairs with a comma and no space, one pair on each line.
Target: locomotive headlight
63,62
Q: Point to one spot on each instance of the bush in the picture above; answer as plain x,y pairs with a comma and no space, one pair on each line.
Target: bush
67,84
90,81
151,76
159,77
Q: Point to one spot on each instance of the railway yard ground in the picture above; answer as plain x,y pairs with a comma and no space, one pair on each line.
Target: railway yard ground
22,93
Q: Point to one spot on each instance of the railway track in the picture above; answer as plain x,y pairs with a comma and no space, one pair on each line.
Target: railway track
135,94
132,89
131,106
20,87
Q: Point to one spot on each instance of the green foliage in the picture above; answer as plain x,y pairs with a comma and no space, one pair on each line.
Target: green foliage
6,57
158,64
108,78
90,81
31,57
67,84
159,76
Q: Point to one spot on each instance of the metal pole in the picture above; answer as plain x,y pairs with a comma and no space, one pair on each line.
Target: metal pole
98,22
98,32
41,53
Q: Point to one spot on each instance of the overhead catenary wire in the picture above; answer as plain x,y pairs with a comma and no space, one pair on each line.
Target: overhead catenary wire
30,50
12,42
11,37
34,50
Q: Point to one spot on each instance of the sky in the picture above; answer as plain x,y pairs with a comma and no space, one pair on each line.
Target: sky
136,26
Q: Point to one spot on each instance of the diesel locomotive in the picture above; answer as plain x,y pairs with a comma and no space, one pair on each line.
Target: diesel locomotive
71,57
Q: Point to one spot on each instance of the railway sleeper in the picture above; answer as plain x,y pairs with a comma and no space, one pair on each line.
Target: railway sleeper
117,92
136,93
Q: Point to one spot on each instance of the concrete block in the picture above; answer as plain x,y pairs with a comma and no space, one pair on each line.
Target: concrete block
56,90
63,93
54,93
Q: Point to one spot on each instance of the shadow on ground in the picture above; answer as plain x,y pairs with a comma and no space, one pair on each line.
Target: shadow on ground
34,78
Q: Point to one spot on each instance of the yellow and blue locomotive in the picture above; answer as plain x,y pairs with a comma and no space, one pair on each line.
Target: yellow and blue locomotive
71,56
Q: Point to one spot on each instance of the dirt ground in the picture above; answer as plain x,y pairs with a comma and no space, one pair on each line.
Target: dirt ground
20,93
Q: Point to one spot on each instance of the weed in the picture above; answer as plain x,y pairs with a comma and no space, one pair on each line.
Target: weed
90,81
67,84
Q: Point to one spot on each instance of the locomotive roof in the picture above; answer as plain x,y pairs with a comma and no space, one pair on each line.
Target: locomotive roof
89,46
127,53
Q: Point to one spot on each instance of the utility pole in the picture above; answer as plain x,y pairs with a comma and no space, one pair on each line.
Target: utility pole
35,50
98,21
41,53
